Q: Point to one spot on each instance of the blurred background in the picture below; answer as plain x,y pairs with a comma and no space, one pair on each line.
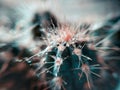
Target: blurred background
72,10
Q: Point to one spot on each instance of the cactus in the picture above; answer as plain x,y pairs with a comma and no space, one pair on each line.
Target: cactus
70,56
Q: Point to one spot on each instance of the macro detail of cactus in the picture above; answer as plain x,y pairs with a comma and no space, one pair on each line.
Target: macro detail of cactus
74,58
50,55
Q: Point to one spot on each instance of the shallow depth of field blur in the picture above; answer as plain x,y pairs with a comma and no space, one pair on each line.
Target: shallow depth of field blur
24,26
